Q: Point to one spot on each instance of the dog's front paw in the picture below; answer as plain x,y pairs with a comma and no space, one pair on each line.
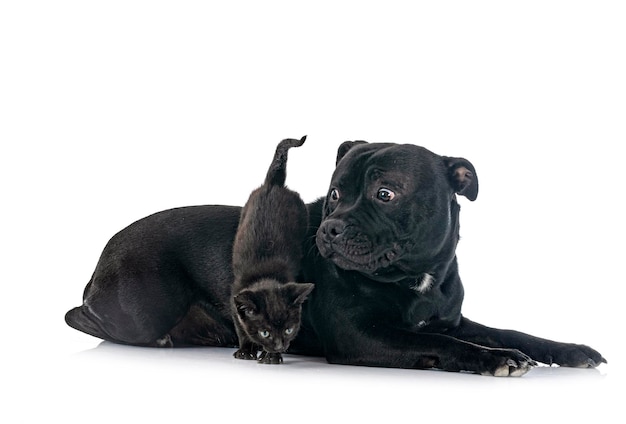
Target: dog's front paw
270,358
488,361
506,363
573,355
245,354
491,362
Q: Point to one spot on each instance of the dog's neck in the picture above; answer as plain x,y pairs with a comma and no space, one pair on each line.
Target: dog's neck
421,279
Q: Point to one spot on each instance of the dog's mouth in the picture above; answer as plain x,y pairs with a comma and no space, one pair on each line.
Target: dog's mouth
357,253
369,264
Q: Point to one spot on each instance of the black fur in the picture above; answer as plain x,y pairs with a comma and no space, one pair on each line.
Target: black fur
387,288
267,256
166,276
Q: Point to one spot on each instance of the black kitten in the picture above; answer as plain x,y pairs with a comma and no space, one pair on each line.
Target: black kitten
266,302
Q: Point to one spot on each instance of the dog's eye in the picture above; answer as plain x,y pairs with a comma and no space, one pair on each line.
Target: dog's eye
385,195
264,333
334,195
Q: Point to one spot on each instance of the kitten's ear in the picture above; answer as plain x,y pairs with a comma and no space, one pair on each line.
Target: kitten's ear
244,302
298,292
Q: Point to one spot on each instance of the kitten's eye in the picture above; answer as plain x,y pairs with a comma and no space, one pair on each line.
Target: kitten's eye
385,195
334,195
289,331
264,333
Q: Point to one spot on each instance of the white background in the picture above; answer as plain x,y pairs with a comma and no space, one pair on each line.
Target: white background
110,111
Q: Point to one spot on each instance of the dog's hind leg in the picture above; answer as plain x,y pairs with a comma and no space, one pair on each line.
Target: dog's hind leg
82,319
136,309
203,327
119,330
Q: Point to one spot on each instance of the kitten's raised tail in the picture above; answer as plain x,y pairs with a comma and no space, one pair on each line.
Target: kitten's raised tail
277,173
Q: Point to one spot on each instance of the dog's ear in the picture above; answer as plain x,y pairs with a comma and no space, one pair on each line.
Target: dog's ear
345,146
462,176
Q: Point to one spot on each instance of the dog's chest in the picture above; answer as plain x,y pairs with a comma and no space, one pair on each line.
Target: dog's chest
420,303
418,314
423,283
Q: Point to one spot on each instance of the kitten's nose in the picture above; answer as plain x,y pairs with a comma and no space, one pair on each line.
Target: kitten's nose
279,346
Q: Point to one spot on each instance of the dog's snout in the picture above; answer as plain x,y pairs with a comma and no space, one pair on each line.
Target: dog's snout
328,235
332,228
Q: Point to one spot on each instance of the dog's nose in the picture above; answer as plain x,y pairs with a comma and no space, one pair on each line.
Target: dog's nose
332,228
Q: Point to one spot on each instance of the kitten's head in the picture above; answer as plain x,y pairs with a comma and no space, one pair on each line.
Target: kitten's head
269,312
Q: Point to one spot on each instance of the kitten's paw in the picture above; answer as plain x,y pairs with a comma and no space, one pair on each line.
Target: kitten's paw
270,358
245,354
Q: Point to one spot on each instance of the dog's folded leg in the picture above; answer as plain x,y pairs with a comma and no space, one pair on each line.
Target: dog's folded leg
389,347
82,318
542,350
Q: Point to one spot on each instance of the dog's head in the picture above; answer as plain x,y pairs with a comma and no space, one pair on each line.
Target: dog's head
391,209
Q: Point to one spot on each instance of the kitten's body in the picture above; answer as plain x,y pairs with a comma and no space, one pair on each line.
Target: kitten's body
267,252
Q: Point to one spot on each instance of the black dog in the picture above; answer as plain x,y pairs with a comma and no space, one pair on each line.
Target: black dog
387,288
